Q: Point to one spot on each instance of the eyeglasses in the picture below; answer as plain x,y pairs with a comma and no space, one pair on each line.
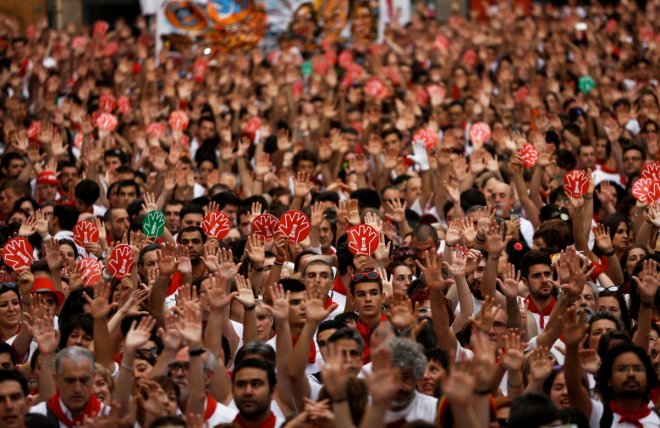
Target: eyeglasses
424,311
612,289
404,252
625,368
179,366
365,275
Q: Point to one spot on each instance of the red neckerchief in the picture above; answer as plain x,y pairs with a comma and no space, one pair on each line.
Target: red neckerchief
92,408
328,303
365,332
311,359
632,418
268,423
339,286
211,405
531,306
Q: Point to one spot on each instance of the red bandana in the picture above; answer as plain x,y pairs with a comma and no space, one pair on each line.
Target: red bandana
632,418
268,423
531,306
328,303
92,408
211,405
339,286
365,332
312,350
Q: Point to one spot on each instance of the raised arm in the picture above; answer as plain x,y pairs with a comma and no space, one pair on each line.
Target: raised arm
647,285
574,331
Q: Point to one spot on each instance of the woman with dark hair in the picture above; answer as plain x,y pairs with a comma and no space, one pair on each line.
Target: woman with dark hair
78,331
632,255
27,204
612,301
619,231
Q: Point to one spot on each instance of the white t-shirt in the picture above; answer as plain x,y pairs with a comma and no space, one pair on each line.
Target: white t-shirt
222,414
42,409
422,407
598,409
274,407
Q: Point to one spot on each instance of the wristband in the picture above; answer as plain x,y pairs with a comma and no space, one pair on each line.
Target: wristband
250,308
482,391
196,352
257,269
647,304
276,263
514,386
588,197
611,252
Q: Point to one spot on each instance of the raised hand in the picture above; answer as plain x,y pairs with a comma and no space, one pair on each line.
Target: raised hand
53,255
189,324
453,235
509,282
210,257
170,335
401,310
460,383
149,202
540,364
44,332
28,228
603,240
227,267
245,294
255,250
432,272
486,316
496,240
385,381
302,184
139,333
574,327
99,305
280,308
647,286
578,276
513,353
314,306
458,262
396,210
335,378
167,259
589,360
484,357
215,287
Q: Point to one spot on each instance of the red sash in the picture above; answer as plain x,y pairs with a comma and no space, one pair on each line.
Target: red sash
632,418
211,405
328,303
339,286
531,306
365,332
311,359
268,423
92,408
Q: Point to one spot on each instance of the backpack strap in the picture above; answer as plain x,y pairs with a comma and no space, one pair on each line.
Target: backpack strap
608,417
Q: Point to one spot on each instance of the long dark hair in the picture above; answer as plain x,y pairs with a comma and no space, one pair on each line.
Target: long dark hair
604,374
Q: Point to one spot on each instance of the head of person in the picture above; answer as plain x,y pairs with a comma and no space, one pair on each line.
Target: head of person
533,410
87,192
104,384
296,289
64,218
191,215
172,211
27,204
500,196
253,384
626,372
599,324
117,222
588,297
228,203
78,331
10,305
587,156
367,291
555,388
14,399
50,295
304,161
537,274
631,255
113,159
12,165
348,343
172,393
128,192
402,276
47,186
619,230
193,238
265,323
7,357
74,377
12,191
148,259
424,238
437,366
614,303
633,156
317,275
412,190
326,329
408,357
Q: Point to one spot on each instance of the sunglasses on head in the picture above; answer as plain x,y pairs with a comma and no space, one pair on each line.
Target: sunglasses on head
404,252
4,286
365,275
612,289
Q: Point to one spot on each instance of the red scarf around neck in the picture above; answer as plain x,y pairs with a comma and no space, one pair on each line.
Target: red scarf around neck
311,359
531,306
92,408
365,332
211,405
328,303
632,418
268,423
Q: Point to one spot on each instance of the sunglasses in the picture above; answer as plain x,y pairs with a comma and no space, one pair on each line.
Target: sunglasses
365,275
612,289
5,286
404,252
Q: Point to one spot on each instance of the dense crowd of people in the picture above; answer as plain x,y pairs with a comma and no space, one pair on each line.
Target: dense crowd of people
454,226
